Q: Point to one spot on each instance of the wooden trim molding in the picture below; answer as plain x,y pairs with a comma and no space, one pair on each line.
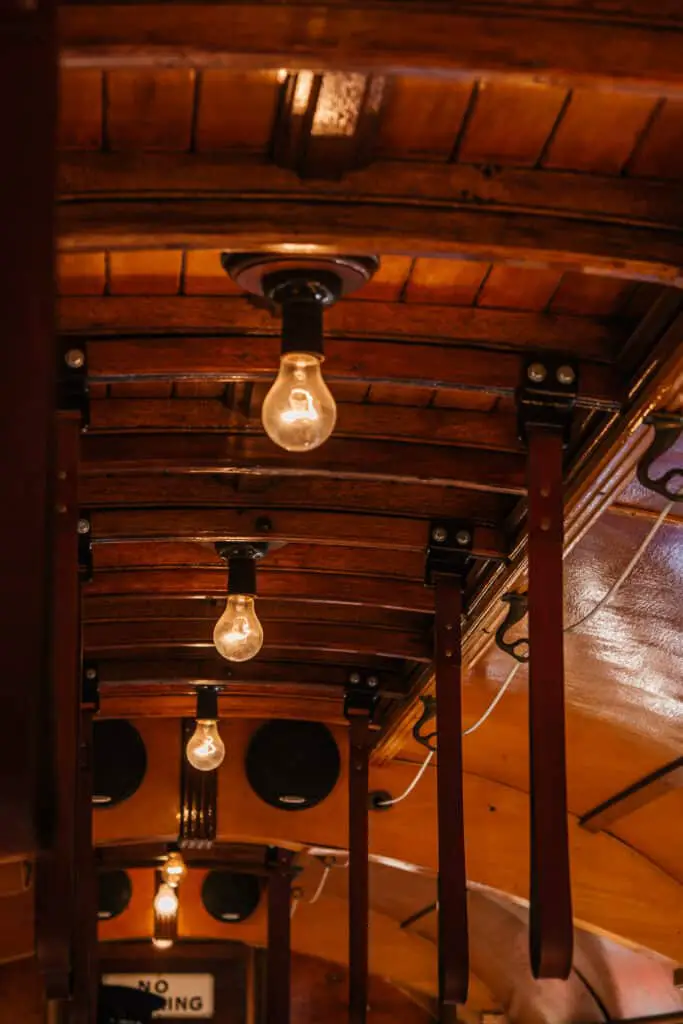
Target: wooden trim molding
657,784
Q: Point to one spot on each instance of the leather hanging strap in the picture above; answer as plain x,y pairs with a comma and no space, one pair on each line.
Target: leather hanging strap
551,929
452,886
278,960
359,737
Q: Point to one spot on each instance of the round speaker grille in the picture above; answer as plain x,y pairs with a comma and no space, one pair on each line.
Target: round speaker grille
292,765
229,896
120,762
114,893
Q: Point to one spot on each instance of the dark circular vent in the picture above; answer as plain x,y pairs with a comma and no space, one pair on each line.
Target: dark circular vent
229,896
120,762
292,765
114,893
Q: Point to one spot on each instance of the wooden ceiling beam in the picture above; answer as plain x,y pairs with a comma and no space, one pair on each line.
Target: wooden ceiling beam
204,491
446,366
348,459
334,588
562,46
325,226
126,637
608,199
372,323
157,702
447,426
376,533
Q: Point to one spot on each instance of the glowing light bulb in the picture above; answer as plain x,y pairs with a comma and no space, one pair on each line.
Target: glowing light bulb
166,901
238,634
205,749
174,869
299,412
162,943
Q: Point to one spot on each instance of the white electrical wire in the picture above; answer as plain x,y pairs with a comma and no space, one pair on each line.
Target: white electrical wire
321,885
613,590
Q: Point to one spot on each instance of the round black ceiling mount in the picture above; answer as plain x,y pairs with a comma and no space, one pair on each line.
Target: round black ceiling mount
292,765
270,273
114,890
230,896
119,762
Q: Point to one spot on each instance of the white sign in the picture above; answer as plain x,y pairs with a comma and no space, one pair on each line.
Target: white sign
186,995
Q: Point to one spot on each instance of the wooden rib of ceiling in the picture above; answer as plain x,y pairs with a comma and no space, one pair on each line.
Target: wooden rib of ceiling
607,465
410,40
541,193
330,227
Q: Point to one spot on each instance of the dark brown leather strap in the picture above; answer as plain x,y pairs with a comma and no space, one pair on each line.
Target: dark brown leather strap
83,1007
279,943
453,945
55,869
359,735
551,929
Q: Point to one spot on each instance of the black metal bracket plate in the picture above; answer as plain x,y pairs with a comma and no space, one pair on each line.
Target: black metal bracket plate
90,686
668,429
449,549
72,381
361,697
547,394
427,739
85,562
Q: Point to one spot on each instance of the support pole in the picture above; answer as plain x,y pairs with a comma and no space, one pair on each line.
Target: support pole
452,882
546,400
278,961
359,735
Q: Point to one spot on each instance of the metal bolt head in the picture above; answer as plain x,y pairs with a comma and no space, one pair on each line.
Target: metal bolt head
537,373
75,358
439,534
463,537
373,681
90,673
83,526
566,374
354,678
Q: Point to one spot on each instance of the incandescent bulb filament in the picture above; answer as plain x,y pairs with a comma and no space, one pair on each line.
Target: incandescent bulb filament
238,634
205,749
166,901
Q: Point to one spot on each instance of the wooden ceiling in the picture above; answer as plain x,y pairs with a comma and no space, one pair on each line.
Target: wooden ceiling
524,200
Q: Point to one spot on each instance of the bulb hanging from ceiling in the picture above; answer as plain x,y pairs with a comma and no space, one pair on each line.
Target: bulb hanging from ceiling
299,412
165,908
238,634
174,869
205,749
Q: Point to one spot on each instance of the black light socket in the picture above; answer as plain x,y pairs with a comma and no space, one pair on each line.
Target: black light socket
207,703
242,575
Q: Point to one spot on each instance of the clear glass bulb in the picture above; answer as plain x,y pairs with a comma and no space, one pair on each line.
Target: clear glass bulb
205,749
162,943
238,634
299,412
174,869
166,901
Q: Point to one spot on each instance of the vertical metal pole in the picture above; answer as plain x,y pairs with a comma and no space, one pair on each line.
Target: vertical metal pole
452,886
83,1009
551,928
278,962
28,82
359,733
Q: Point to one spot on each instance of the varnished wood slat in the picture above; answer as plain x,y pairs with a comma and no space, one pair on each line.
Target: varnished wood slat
255,702
180,491
332,588
640,794
372,532
196,608
374,361
238,316
124,556
378,421
409,41
174,634
548,192
394,228
533,108
349,459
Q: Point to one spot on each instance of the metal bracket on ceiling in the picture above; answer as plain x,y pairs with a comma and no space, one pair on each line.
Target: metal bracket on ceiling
72,382
517,609
547,395
668,428
428,740
85,561
449,549
361,695
90,687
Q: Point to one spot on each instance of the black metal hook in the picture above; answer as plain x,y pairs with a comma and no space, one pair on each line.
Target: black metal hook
517,610
428,713
668,428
